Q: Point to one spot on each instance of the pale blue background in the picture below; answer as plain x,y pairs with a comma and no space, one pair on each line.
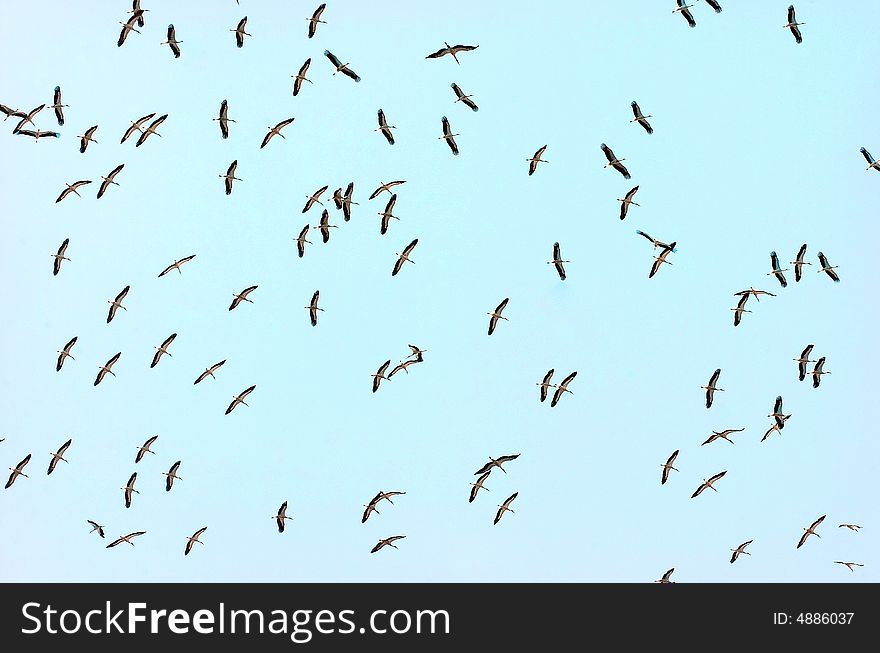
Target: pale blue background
755,149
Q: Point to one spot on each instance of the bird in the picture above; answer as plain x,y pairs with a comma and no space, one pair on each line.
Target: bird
403,257
792,25
852,527
171,475
465,99
300,77
127,27
151,129
281,516
275,131
710,388
135,127
239,399
162,349
145,449
774,427
401,366
654,241
324,226
641,119
338,199
341,67
667,466
504,507
380,374
561,389
59,257
386,187
301,241
370,508
871,162
223,119
708,483
660,260
315,19
116,304
810,531
751,292
128,489
209,371
109,179
416,353
192,540
848,565
388,541
28,119
495,315
739,310
776,271
452,50
714,4
665,578
346,201
802,361
242,297
558,261
684,9
172,42
314,197
496,462
536,159
86,138
313,308
58,455
818,371
64,353
240,32
476,487
137,12
229,177
38,134
448,136
57,106
387,214
176,265
625,203
614,162
387,495
17,471
545,384
126,538
799,262
15,113
827,268
741,549
385,128
96,527
777,414
723,435
106,368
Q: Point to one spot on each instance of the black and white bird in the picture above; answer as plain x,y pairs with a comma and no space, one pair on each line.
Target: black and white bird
661,259
827,268
818,371
708,483
136,126
9,112
116,304
96,527
193,539
239,399
64,353
71,188
58,257
145,449
561,389
338,199
740,550
722,435
176,265
86,138
710,387
162,349
126,538
478,485
558,261
452,50
313,308
17,471
496,462
448,136
387,214
314,198
229,177
667,467
281,516
811,530
301,241
341,67
848,565
238,298
802,361
684,9
625,203
324,226
778,416
404,256
58,455
380,374
370,508
385,128
640,118
347,202
275,131
465,99
128,489
386,186
776,270
127,27
28,119
172,42
871,162
752,292
614,162
853,527
209,371
388,541
416,353
792,24
495,315
223,119
240,32
38,134
545,384
151,129
536,159
109,179
315,19
171,476
57,106
799,262
664,580
137,12
504,507
402,367
106,368
655,242
300,77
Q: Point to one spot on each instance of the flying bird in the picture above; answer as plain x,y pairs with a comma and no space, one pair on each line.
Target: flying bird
209,371
128,489
341,67
380,374
401,366
136,126
751,292
452,50
385,128
495,315
301,241
162,349
240,32
448,136
242,297
476,487
738,551
871,162
338,198
403,257
710,388
145,449
281,516
14,113
229,177
614,162
827,268
64,353
315,19
300,77
176,265
171,475
386,187
275,131
684,9
324,226
223,119
810,531
59,257
192,540
536,159
708,483
239,399
137,12
654,241
314,197
561,389
387,214
126,538
802,361
722,435
28,119
465,99
86,138
558,261
848,565
818,371
545,384
57,106
116,304
105,369
799,262
313,308
777,414
416,353
776,271
852,527
109,179
58,455
172,42
38,134
661,259
665,578
504,507
625,203
388,541
792,24
496,462
370,508
667,466
96,527
346,202
127,27
641,119
17,471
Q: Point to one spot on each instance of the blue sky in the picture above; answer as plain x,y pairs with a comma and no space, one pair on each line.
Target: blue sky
755,149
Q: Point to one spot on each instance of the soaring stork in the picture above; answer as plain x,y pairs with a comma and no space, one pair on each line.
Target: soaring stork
314,197
86,138
614,162
504,507
387,214
240,32
300,77
386,186
388,541
751,292
28,119
176,265
128,26
818,371
64,353
96,527
380,374
545,384
109,179
778,416
106,368
17,471
792,24
338,198
495,315
848,565
667,466
275,131
452,50
162,349
466,100
57,106
476,487
448,136
708,483
209,371
346,202
128,489
229,177
223,119
192,540
625,202
738,551
59,257
38,134
775,427
561,389
370,508
802,361
172,42
324,226
151,129
315,19
853,527
401,367
239,399
416,353
710,388
536,159
403,257
810,531
313,308
9,112
654,241
116,304
385,128
145,449
171,475
799,262
641,119
722,435
301,241
341,67
661,259
281,516
126,538
827,268
558,261
242,297
136,126
776,271
137,12
58,455
71,188
871,162
684,9
664,580
496,462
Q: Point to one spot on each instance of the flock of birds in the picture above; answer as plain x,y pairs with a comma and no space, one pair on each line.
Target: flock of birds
343,201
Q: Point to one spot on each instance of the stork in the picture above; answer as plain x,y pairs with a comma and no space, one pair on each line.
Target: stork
275,131
799,262
128,489
380,374
239,399
740,309
792,25
684,9
667,466
802,361
476,487
452,50
223,119
229,177
314,197
301,241
710,388
64,353
192,540
811,530
661,259
536,159
448,136
176,265
466,100
776,271
561,389
135,127
545,384
96,527
324,226
162,349
59,257
827,268
818,371
495,315
109,179
504,507
387,214
315,19
385,128
740,550
17,471
722,435
281,516
313,308
496,462
116,304
388,541
209,371
126,538
105,369
58,455
403,257
145,449
708,483
86,138
300,77
341,67
240,32
558,261
625,203
386,186
641,119
238,298
172,42
58,107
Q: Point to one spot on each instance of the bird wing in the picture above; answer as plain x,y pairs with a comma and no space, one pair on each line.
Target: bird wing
621,169
333,58
609,154
718,475
439,53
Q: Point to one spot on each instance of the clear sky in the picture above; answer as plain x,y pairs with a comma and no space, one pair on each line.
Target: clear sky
756,148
